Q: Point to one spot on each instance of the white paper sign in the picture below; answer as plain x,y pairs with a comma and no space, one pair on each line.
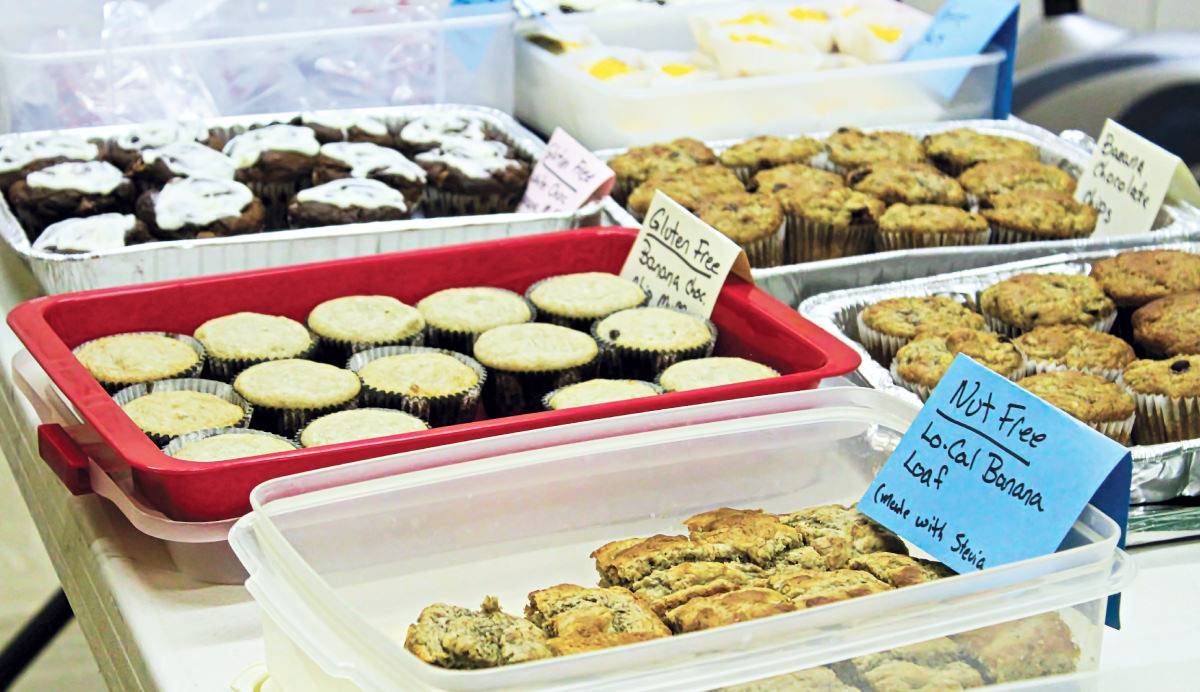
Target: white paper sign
680,261
1128,178
566,177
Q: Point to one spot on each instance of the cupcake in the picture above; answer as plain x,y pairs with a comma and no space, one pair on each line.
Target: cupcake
885,326
920,364
349,200
24,155
712,372
200,208
350,324
954,151
468,176
235,342
276,161
1074,347
436,385
170,408
1169,326
121,360
363,160
639,164
527,361
126,147
577,300
1091,399
929,225
829,223
1168,398
598,391
1030,214
346,126
796,177
455,317
993,178
223,444
1026,301
753,155
897,182
639,343
156,167
99,233
427,131
288,393
689,188
752,220
67,190
851,148
1137,277
358,424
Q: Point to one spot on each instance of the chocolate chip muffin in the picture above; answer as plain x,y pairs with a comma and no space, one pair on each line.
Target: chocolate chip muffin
639,164
1137,277
794,177
1075,347
831,222
885,326
1092,399
752,220
850,148
993,178
753,155
1030,214
690,188
1167,393
929,225
899,182
955,151
920,364
639,343
1169,326
126,147
1026,301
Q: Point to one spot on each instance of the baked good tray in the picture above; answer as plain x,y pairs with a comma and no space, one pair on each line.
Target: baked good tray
1160,472
1069,151
178,259
751,324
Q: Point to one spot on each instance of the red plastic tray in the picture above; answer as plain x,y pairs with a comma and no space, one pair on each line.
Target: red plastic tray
751,323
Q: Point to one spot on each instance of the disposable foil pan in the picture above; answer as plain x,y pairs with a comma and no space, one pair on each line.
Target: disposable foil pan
159,261
1160,472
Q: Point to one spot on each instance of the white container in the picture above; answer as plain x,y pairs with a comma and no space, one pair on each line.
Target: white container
342,560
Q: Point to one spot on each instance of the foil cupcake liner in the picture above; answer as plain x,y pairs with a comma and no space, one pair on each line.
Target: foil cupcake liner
908,241
227,369
221,390
924,391
1036,367
464,341
177,443
286,422
583,324
1003,235
338,351
627,363
300,433
442,203
1162,418
512,393
438,411
769,251
808,241
550,395
882,347
193,371
999,326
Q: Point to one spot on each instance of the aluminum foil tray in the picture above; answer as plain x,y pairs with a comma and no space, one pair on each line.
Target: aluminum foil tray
1160,472
160,261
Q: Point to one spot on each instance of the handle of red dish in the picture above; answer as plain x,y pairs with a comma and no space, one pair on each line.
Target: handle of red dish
64,457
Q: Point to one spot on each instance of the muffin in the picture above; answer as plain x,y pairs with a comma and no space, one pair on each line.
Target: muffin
346,325
22,156
885,326
639,343
99,233
346,126
527,361
67,190
598,391
235,342
829,223
455,317
850,148
348,200
955,151
639,164
276,161
1137,277
358,424
1169,326
223,444
1092,399
288,393
920,364
1030,214
169,408
364,160
436,385
988,180
156,167
126,147
467,176
929,225
1074,347
752,220
427,131
577,300
1167,393
1026,301
188,208
753,155
121,360
799,177
897,182
689,188
712,372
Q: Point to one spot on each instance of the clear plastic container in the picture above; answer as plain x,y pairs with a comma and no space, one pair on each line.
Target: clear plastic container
342,560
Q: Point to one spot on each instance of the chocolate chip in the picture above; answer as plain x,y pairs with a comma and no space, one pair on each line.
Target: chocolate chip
1003,339
613,334
1058,284
843,130
731,207
673,155
1094,312
778,187
857,176
860,215
1034,315
1180,366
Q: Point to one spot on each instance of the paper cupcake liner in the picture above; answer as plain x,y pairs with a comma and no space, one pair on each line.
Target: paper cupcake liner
1123,325
999,326
744,173
189,384
1118,430
583,324
227,369
337,351
511,393
275,198
882,347
924,391
450,409
1003,235
1161,418
182,441
300,433
658,389
626,363
769,251
441,203
808,241
464,341
1037,367
906,241
193,371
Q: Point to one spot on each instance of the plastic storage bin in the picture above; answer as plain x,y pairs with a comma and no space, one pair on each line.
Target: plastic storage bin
342,560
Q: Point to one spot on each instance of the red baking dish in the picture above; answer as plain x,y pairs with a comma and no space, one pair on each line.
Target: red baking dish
751,324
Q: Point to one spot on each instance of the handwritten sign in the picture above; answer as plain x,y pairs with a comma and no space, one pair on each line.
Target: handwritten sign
1128,178
680,261
567,176
968,27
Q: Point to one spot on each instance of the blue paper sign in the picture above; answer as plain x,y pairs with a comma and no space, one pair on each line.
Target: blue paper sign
990,474
968,27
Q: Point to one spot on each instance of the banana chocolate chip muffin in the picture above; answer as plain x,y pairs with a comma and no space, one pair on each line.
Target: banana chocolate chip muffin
988,180
690,188
955,151
1137,277
1167,393
920,364
288,393
753,155
850,148
577,300
1169,326
929,225
1092,399
527,361
121,360
752,220
350,324
639,343
794,176
885,326
1075,347
1030,214
699,373
235,342
1026,301
639,164
829,223
897,182
439,386
201,208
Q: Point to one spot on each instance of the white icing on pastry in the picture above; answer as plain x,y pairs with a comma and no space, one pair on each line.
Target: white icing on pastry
88,234
91,177
248,146
365,158
354,192
199,202
343,122
22,152
192,160
160,134
473,158
435,127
